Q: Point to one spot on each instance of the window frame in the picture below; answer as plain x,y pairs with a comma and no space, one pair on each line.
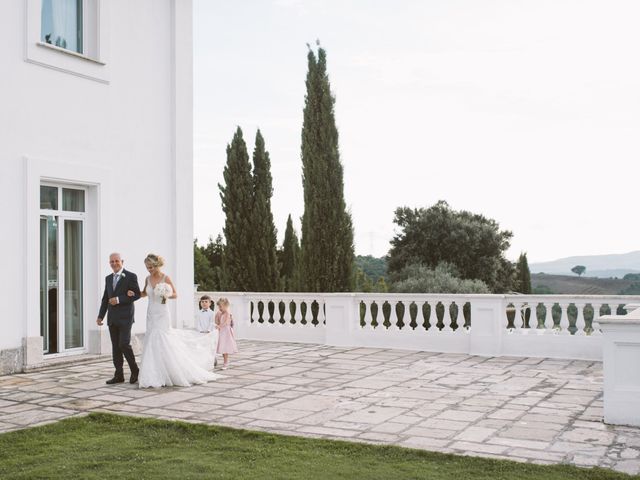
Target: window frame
92,63
62,216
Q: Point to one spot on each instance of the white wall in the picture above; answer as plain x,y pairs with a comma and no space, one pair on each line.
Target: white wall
130,137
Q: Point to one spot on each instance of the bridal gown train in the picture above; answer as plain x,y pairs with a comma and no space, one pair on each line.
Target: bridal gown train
171,356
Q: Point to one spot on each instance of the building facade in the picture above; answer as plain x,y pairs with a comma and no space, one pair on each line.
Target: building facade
95,157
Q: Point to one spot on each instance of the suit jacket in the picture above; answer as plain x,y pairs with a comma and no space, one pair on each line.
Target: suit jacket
121,314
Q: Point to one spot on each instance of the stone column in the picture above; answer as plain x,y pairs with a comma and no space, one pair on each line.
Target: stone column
488,325
621,357
342,319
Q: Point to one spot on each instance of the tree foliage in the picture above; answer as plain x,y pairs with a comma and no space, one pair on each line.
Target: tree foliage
522,282
208,265
472,243
327,232
372,266
263,230
290,259
239,263
443,278
579,270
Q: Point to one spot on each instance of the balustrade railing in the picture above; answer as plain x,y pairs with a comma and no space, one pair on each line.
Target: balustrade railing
559,326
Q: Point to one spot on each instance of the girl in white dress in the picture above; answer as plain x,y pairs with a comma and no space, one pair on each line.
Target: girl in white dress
170,356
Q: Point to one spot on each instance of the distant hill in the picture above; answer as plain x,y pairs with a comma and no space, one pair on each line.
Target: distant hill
573,285
602,266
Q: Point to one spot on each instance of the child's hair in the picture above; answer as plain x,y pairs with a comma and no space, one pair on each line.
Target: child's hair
203,298
223,301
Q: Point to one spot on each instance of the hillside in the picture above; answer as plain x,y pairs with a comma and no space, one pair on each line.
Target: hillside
573,285
603,266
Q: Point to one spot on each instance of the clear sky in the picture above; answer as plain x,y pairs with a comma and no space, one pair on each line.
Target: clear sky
527,111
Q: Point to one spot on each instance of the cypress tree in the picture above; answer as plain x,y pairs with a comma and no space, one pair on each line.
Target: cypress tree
523,275
327,232
290,259
239,267
263,230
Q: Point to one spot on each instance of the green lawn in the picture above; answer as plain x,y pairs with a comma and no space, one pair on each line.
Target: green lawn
110,446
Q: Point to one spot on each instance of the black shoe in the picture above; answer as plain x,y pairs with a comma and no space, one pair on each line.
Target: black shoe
134,376
115,380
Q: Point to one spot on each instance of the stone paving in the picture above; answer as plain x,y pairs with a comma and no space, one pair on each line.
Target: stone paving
524,409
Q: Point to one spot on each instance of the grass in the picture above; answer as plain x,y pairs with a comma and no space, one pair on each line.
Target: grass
111,446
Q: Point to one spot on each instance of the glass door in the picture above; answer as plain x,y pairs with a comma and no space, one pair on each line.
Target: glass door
73,331
62,269
49,283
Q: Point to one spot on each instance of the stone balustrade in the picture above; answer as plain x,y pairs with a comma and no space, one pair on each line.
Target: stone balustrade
550,326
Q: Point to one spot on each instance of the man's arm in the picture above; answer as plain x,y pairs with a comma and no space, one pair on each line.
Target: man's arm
134,287
103,306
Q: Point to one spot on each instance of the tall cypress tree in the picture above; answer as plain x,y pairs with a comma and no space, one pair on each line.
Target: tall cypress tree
327,230
523,275
239,266
290,259
263,230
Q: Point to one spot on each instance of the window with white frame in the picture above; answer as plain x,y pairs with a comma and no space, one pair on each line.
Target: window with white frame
62,24
69,35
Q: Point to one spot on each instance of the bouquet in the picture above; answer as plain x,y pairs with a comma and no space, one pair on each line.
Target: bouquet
163,290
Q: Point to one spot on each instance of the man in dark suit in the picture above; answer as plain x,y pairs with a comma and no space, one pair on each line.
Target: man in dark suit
119,307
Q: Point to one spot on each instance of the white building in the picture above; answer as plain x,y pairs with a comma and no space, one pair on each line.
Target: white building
96,156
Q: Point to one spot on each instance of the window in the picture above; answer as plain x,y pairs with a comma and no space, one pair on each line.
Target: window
62,24
70,36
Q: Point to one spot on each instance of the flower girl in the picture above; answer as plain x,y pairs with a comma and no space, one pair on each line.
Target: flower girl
226,334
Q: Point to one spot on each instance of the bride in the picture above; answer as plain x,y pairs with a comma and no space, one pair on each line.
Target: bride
170,356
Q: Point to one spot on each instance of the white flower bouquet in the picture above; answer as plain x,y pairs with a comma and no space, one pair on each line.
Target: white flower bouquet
163,290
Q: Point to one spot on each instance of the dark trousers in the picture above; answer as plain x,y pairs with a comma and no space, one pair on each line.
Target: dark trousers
120,343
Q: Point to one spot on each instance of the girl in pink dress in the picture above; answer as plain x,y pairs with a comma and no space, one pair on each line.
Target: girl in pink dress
226,335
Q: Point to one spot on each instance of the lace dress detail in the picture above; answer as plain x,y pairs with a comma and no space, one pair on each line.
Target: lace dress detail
173,356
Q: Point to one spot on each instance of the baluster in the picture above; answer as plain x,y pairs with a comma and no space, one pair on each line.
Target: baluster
467,328
290,314
430,317
564,319
595,324
322,314
517,317
533,317
613,308
459,320
393,316
547,325
368,317
447,316
254,312
297,314
506,317
580,323
523,318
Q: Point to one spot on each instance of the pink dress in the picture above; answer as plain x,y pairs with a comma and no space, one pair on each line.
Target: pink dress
226,335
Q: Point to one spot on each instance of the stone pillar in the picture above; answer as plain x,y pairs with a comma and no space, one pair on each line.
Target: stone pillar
342,317
621,357
488,325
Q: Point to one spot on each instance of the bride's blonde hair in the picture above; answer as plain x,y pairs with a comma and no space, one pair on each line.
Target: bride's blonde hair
154,260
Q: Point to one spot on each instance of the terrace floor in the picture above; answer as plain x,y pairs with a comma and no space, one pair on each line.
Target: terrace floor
525,409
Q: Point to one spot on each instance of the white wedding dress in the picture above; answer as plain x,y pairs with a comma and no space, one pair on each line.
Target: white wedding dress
171,356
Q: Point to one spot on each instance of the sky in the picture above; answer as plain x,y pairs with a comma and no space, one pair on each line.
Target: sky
526,111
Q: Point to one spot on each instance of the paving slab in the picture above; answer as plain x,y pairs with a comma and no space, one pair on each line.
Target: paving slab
524,409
